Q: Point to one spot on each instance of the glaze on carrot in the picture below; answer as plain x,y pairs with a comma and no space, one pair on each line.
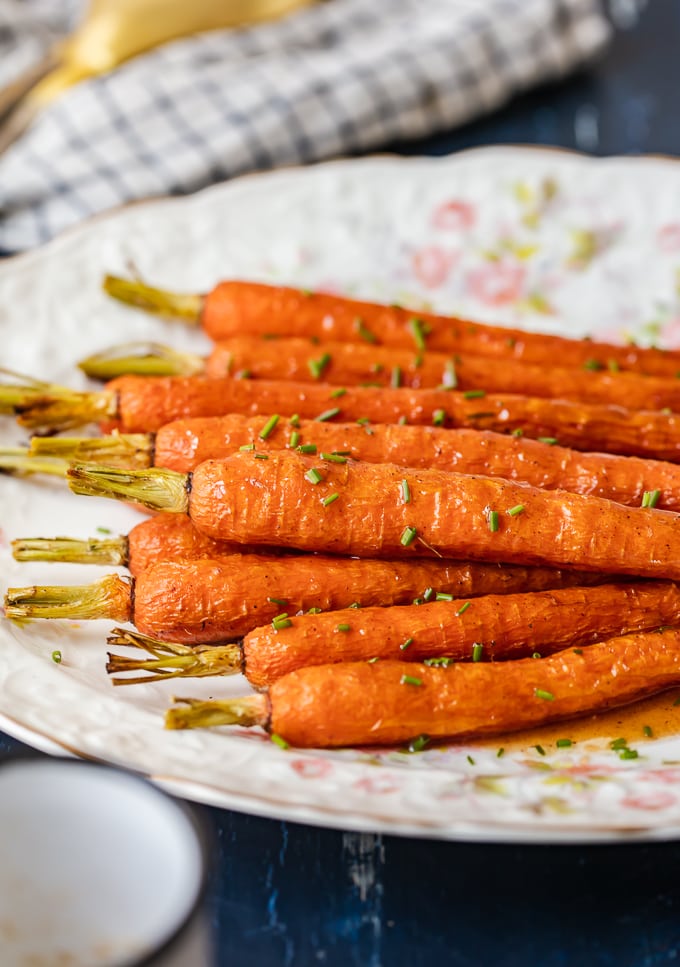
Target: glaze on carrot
387,702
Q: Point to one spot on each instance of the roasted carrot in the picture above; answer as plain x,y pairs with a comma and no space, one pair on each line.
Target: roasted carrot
349,364
144,404
384,702
235,307
211,600
381,510
490,628
183,444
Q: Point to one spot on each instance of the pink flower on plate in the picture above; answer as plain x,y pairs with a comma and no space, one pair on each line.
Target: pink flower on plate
497,283
432,265
668,237
455,215
649,800
379,785
670,331
312,768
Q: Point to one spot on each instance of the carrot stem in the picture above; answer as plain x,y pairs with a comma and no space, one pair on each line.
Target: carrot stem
170,659
19,461
21,389
46,407
128,450
250,710
154,488
109,597
141,359
159,302
67,550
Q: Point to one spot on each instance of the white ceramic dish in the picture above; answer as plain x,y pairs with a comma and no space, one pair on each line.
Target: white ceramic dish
545,240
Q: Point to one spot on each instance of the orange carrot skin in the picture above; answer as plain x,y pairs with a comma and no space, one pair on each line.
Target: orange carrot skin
360,703
233,308
146,404
272,501
183,444
492,628
226,597
349,364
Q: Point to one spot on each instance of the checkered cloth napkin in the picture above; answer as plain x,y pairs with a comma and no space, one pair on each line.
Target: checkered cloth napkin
338,77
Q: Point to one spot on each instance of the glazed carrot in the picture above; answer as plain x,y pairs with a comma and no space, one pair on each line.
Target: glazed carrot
381,703
144,404
490,628
234,307
349,364
373,510
183,444
215,599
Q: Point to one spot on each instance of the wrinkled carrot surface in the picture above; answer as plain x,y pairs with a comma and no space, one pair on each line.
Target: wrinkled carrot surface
233,308
145,404
279,501
374,704
491,628
183,444
350,364
212,600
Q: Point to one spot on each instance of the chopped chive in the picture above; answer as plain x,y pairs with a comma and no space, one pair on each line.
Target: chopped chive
564,743
277,740
395,378
355,605
410,680
363,420
341,453
578,651
295,420
492,519
540,749
327,501
280,601
613,366
450,378
103,530
443,596
243,374
418,601
365,333
343,627
593,365
463,608
481,415
428,594
269,426
402,421
56,657
517,433
536,654
650,498
439,418
419,330
617,744
247,447
647,731
546,696
477,651
307,448
677,701
337,393
470,760
419,743
377,368
516,510
370,385
438,662
281,621
418,361
328,414
315,611
404,645
372,661
500,753
510,342
314,476
333,458
408,535
474,394
317,366
405,492
628,754
293,439
262,456
550,441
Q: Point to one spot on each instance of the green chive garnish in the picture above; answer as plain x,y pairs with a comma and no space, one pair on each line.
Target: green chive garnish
243,374
500,753
536,654
563,743
280,601
408,535
277,740
343,627
443,596
419,743
474,394
550,441
578,651
438,662
540,749
313,476
546,696
419,330
363,331
463,608
102,530
647,731
295,420
333,457
355,605
405,492
613,366
261,456
269,426
372,661
516,510
293,439
363,421
337,393
517,433
618,744
402,421
470,760
628,754
307,448
428,594
410,680
593,365
281,621
650,498
404,645
327,501
315,611
317,366
247,447
449,379
493,521
395,378
439,418
56,657
328,414
477,651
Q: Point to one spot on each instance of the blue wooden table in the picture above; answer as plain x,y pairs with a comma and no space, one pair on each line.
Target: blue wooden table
285,894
